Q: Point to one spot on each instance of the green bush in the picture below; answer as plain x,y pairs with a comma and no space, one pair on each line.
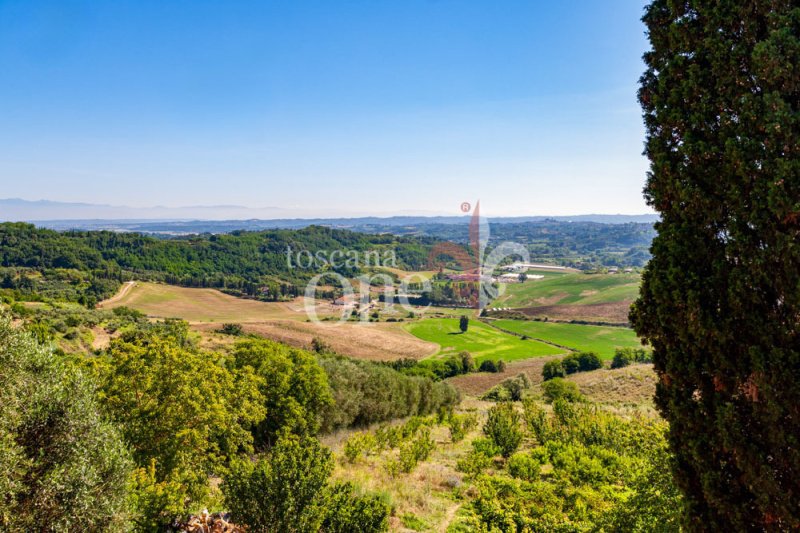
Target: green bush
282,491
559,388
487,365
553,369
460,425
358,444
622,358
503,428
231,329
510,389
588,361
524,466
62,465
347,511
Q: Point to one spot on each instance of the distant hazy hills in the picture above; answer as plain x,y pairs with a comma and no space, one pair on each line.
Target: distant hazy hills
221,219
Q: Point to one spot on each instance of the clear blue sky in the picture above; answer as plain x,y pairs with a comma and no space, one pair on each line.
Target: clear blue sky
373,106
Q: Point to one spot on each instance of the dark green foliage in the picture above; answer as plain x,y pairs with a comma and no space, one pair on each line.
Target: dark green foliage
553,369
622,358
243,263
231,329
558,389
575,362
503,428
626,356
347,511
467,362
62,465
283,492
721,296
463,323
365,392
487,365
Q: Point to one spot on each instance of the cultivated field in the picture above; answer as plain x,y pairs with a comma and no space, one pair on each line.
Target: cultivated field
207,309
601,339
594,297
482,341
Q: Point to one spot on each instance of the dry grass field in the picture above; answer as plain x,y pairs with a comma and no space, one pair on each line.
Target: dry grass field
207,309
635,384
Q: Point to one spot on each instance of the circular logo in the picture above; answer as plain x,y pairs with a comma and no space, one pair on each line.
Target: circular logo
465,207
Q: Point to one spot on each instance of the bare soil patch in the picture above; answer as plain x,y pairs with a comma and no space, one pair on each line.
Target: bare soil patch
612,313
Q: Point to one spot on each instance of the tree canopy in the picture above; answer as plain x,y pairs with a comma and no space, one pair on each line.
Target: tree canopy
721,296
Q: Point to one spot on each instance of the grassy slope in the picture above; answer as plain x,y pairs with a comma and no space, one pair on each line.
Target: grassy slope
482,341
601,339
580,289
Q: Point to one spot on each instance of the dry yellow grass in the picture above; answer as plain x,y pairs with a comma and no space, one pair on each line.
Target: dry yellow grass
635,384
207,309
426,492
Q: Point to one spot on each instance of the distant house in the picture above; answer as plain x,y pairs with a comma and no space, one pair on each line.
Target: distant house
628,270
613,270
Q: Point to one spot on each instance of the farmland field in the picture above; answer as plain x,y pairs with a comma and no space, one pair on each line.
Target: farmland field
207,309
482,341
601,339
573,289
589,297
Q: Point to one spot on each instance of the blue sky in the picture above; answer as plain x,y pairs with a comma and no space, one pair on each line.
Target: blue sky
328,107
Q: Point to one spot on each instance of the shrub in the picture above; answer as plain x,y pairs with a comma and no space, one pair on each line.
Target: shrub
62,465
415,451
588,361
501,366
231,329
503,428
467,362
349,511
358,444
559,388
460,425
510,389
524,466
479,458
281,492
553,369
570,364
622,358
488,365
536,420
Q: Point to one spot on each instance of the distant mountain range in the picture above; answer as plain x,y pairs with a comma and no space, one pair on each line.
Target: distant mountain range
226,218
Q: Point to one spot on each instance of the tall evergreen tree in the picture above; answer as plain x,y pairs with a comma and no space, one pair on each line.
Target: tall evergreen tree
720,301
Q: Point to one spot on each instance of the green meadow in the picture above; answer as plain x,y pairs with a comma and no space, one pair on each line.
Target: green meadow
482,341
603,340
573,289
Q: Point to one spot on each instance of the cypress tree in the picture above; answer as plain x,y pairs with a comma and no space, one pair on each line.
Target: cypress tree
720,300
